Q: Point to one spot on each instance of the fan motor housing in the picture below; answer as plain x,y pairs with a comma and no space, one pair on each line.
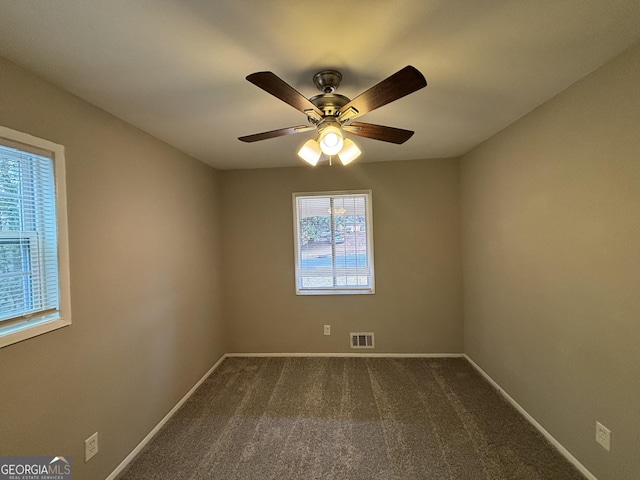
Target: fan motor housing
329,103
327,81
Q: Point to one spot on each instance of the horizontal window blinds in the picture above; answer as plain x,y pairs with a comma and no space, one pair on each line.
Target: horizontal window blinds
28,235
334,242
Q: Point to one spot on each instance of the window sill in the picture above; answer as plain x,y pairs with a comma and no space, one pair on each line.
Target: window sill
18,332
346,291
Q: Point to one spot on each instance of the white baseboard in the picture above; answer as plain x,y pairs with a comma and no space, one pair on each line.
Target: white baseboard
349,354
157,428
565,453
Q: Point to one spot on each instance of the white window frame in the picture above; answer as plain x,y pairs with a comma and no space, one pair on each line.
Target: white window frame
335,290
14,331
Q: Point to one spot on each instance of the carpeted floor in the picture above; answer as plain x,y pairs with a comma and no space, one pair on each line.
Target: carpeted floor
347,419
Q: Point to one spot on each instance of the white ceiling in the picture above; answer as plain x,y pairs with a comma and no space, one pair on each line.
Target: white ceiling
177,68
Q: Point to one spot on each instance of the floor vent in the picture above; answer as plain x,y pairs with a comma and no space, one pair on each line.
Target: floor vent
362,340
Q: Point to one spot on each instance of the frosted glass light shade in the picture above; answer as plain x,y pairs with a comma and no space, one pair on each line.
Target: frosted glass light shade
349,152
310,152
331,140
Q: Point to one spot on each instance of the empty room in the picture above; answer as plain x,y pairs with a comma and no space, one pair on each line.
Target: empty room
372,240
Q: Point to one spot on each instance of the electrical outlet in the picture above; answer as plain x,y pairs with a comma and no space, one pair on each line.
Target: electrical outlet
327,329
90,447
603,436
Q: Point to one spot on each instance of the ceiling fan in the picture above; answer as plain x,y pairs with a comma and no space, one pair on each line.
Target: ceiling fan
330,114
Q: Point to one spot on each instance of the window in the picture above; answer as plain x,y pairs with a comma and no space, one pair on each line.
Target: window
34,280
334,243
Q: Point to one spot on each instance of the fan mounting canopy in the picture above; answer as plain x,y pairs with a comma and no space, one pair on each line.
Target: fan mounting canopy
327,81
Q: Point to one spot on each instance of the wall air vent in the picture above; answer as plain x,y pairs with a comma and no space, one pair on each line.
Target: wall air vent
362,340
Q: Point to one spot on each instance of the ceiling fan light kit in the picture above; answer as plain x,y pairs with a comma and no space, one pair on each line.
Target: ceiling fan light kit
331,115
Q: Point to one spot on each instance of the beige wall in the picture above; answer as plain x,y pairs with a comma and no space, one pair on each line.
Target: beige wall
417,304
144,248
551,232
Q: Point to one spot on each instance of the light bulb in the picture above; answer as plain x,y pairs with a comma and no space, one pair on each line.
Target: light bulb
331,140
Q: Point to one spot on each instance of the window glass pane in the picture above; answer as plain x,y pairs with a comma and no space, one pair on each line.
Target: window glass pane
28,234
15,278
10,188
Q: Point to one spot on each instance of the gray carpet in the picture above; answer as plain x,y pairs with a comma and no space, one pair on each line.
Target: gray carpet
348,418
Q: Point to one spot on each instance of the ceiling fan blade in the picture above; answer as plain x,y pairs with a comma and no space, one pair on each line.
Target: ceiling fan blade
379,132
401,83
271,83
276,133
